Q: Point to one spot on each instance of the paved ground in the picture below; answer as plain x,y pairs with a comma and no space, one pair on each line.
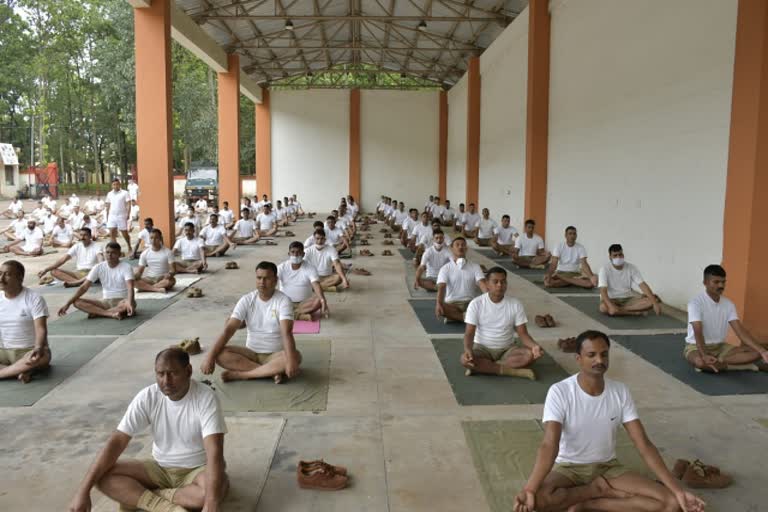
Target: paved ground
391,415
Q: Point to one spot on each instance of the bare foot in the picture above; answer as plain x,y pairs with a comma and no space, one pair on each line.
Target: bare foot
91,316
230,375
25,377
117,315
278,378
604,490
71,285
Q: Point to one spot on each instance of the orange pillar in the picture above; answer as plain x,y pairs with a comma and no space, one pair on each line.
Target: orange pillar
746,210
537,123
154,135
354,144
442,152
473,131
263,147
229,133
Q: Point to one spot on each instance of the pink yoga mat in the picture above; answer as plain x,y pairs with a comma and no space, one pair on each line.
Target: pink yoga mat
304,327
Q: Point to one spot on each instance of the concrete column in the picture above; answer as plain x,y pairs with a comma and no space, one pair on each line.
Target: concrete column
442,152
354,144
229,133
537,121
746,210
263,147
154,135
473,131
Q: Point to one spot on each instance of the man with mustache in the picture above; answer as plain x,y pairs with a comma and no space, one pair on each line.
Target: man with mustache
709,316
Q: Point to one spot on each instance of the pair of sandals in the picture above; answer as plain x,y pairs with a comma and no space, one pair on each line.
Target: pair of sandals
545,321
567,345
194,292
45,280
389,242
191,346
365,252
386,252
364,242
231,265
360,272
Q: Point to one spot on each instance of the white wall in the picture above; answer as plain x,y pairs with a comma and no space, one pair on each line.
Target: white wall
640,99
398,146
456,186
504,74
310,146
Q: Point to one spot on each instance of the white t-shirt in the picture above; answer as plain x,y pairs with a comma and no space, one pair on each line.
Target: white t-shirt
17,318
296,284
119,203
133,191
190,250
448,214
144,236
201,204
436,210
266,221
408,225
49,223
16,207
460,284
486,228
460,217
183,221
422,233
529,246
714,316
309,242
323,259
213,236
85,257
226,217
113,280
62,234
400,217
76,220
19,226
74,200
434,260
620,282
178,428
244,228
569,257
471,220
334,235
156,263
134,212
506,236
589,422
262,319
33,240
495,322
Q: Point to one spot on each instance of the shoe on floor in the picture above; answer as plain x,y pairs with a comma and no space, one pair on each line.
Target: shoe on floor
701,476
231,265
567,345
320,463
45,280
541,321
386,252
190,346
550,321
468,372
320,477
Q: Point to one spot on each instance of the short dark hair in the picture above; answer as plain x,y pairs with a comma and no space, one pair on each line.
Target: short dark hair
225,202
331,217
437,232
157,232
714,271
591,335
319,231
461,204
296,245
149,219
189,225
173,354
531,222
87,230
267,265
114,246
317,224
116,180
213,215
615,248
245,210
570,228
17,266
457,239
505,216
495,270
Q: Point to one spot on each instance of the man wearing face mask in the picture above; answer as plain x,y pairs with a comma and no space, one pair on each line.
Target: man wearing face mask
298,279
458,282
326,260
431,262
618,281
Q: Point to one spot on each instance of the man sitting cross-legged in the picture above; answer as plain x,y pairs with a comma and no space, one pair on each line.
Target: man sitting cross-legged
87,254
298,279
143,238
61,235
489,339
448,216
421,238
486,229
116,288
245,232
568,266
215,237
187,468
192,252
618,281
16,206
23,326
326,260
17,226
335,235
270,350
32,238
409,223
432,261
504,237
156,270
459,219
471,222
529,249
458,282
266,222
709,316
576,467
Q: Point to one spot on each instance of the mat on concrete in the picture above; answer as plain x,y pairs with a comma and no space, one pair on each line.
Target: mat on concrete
410,277
425,312
504,452
665,351
405,253
306,326
69,354
490,253
762,421
307,392
492,389
589,306
534,273
538,280
76,322
182,283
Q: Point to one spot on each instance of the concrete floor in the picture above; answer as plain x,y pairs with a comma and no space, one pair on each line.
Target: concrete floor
391,416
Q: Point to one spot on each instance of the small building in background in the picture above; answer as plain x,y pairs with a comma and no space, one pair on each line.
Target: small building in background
9,164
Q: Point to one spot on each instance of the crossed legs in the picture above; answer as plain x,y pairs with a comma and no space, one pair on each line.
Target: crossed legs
560,280
241,363
531,261
70,279
161,286
23,367
97,308
518,357
188,267
635,306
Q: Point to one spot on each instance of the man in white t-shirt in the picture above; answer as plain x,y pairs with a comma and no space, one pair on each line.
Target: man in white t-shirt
448,217
459,219
245,232
504,237
270,350
489,339
62,234
133,215
435,210
576,466
458,282
433,259
446,237
569,266
335,235
709,316
486,228
266,222
15,228
23,326
189,216
471,222
215,237
326,260
192,252
156,272
226,215
399,217
409,223
299,280
117,283
76,218
16,206
421,238
187,468
618,282
87,254
29,241
143,238
529,249
201,206
133,190
118,203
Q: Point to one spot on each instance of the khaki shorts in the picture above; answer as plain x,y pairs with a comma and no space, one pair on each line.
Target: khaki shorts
9,356
494,354
109,303
569,274
582,474
82,272
151,280
257,358
170,478
622,301
462,305
484,242
719,350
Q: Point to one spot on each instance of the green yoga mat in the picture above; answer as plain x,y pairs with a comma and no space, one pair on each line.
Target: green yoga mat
523,272
492,389
307,392
538,280
69,354
490,253
762,421
589,306
425,312
504,452
76,322
406,254
665,351
410,277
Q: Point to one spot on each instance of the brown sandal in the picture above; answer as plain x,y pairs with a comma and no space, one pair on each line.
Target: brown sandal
365,252
386,252
567,345
231,265
541,321
389,242
550,321
360,272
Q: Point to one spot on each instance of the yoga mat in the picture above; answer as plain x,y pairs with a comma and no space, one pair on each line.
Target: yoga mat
76,322
523,272
410,277
306,327
307,392
182,283
493,389
504,452
762,421
490,253
69,354
425,312
589,306
405,253
538,280
665,351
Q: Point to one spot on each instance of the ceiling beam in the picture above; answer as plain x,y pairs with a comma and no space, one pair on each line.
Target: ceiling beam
347,46
311,17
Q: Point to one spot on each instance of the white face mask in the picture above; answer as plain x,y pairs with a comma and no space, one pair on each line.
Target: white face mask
617,261
296,260
461,262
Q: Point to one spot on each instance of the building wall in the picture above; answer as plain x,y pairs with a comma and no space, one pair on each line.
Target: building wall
639,126
456,185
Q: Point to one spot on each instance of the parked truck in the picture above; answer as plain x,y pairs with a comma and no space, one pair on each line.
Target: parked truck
202,182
